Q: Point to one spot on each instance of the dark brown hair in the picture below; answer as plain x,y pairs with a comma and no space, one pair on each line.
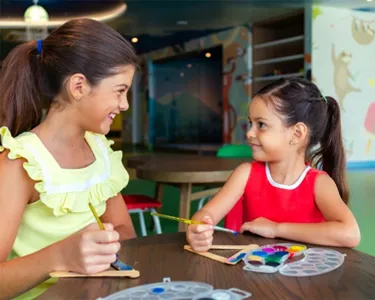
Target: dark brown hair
29,79
299,100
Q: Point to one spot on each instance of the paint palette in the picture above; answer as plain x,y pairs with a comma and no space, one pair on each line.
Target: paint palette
317,261
177,290
231,294
270,258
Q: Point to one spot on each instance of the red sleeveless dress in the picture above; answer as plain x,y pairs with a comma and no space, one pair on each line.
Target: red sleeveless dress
263,197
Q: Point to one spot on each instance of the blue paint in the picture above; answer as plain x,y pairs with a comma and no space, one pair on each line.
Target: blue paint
158,290
119,265
238,257
260,253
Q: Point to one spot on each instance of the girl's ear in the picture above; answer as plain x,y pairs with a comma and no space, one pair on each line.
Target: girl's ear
300,132
77,86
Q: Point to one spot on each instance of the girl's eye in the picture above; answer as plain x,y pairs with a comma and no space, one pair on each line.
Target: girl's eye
121,91
262,125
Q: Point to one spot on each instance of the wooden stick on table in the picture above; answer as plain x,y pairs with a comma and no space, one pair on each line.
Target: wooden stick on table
228,247
229,261
109,273
209,255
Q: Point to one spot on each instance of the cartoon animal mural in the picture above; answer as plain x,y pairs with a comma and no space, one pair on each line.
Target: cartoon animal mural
341,74
362,31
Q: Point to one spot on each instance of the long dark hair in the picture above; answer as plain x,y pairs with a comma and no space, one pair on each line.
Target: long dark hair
31,79
299,100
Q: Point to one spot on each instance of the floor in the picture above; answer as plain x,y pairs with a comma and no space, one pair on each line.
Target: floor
362,203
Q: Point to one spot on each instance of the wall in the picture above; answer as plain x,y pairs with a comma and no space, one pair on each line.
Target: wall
236,76
343,66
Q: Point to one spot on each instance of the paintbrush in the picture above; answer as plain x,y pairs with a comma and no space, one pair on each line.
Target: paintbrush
118,264
190,222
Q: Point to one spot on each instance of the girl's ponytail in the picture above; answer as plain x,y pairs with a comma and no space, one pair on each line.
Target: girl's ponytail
20,98
332,149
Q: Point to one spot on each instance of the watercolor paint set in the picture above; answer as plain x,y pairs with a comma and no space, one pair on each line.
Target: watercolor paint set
178,290
274,258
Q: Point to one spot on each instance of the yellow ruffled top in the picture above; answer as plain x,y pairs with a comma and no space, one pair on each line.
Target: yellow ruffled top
64,193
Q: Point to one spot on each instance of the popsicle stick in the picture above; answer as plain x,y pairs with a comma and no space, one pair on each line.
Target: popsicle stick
235,258
110,273
208,255
228,247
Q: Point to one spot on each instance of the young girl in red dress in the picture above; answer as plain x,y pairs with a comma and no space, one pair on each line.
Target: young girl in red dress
292,128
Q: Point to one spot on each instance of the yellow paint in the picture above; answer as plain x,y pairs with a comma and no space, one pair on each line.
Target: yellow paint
255,258
371,82
296,248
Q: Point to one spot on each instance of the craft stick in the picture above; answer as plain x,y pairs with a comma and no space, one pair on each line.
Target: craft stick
234,259
110,273
208,255
228,247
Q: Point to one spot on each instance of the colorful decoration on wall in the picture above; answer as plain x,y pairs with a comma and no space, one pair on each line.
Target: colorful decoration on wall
363,31
342,75
316,11
369,126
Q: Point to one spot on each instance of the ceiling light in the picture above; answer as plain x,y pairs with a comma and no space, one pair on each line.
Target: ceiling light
369,0
134,40
35,14
208,54
103,16
182,23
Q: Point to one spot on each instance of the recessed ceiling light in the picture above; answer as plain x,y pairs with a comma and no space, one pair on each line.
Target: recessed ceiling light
134,40
182,22
208,54
369,0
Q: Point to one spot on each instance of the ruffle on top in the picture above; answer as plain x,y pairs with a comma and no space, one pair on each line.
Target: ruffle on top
69,190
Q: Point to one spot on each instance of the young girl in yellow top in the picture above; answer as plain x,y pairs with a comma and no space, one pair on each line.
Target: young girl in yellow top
291,126
51,170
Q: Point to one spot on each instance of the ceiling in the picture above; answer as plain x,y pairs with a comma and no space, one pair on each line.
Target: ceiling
155,22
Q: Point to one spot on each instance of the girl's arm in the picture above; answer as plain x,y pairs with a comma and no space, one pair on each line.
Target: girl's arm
88,251
117,214
340,229
20,274
219,206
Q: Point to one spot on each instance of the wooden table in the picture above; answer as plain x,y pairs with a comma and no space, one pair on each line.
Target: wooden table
184,171
157,257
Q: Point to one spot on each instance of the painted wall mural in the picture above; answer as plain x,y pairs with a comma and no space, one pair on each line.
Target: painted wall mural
237,82
343,66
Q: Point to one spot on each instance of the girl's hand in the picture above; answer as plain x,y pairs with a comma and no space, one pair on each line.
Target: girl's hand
261,226
88,251
200,236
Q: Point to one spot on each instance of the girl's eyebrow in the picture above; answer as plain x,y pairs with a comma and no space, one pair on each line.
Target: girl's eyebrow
259,119
122,85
